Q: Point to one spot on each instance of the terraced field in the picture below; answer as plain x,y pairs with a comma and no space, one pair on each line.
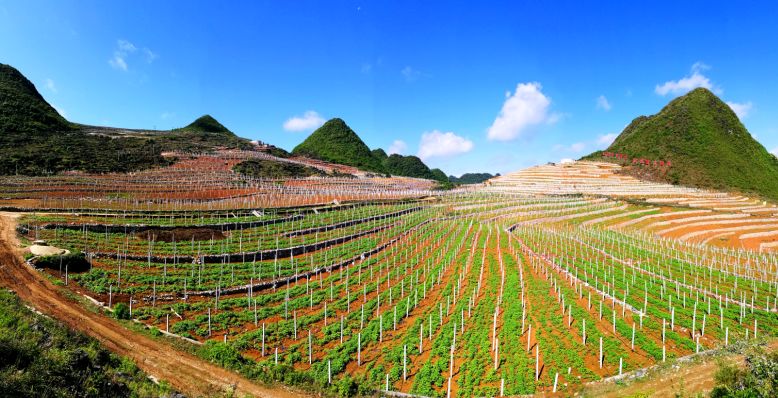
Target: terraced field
542,280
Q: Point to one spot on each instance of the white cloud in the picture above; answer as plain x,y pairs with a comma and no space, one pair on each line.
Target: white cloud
150,55
526,107
410,74
398,146
741,110
699,66
310,120
602,103
50,85
439,144
118,62
125,46
606,139
566,160
166,115
124,49
687,83
775,151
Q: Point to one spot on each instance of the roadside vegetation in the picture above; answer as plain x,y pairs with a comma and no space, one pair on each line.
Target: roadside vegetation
41,358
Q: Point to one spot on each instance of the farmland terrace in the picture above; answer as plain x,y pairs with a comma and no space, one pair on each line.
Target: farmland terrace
538,281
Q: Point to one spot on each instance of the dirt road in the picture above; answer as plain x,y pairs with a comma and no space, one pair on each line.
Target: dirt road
186,373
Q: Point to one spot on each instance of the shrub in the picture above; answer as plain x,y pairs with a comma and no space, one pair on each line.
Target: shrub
73,262
121,311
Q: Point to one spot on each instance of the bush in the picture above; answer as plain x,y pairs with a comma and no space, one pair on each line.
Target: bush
758,379
73,262
121,311
222,354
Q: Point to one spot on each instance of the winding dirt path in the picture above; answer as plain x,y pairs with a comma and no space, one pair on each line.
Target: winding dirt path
185,372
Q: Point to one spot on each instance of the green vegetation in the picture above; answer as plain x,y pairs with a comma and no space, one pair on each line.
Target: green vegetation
439,175
409,166
705,141
73,262
759,378
336,142
274,169
206,124
472,178
41,153
277,152
36,140
39,357
121,311
379,154
23,109
204,134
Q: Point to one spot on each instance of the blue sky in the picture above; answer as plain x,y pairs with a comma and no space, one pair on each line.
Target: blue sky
494,87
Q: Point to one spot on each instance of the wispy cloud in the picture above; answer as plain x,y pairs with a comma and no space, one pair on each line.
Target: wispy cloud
310,120
526,107
602,103
410,74
398,146
741,109
126,49
439,144
51,86
688,83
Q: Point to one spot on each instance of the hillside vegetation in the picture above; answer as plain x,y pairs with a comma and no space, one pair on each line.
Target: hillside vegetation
336,142
22,108
204,134
705,141
409,166
36,140
206,124
471,178
263,168
41,358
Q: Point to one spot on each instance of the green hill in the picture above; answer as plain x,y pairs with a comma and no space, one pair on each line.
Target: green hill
705,141
204,134
409,166
36,140
206,124
471,178
22,108
336,142
379,154
439,175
